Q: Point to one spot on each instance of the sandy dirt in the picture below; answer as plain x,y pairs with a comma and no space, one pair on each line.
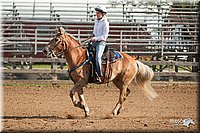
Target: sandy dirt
37,106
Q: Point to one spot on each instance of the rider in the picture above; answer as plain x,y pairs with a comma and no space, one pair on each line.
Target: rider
99,36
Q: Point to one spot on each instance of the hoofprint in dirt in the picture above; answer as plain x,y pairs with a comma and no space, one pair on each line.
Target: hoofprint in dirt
46,106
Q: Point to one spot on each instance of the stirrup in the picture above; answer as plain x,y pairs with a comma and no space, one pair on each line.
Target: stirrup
98,77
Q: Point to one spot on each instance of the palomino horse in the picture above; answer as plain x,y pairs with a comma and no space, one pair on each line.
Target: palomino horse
123,71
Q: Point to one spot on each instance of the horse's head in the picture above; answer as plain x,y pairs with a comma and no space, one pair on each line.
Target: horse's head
57,45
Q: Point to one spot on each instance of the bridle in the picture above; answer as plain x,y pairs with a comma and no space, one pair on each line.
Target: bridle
51,53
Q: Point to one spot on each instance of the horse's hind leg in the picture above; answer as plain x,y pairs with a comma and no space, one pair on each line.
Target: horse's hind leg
127,91
124,92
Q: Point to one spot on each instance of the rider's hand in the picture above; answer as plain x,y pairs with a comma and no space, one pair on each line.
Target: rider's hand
92,35
92,39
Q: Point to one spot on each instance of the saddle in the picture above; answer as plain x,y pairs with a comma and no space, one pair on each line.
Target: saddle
109,56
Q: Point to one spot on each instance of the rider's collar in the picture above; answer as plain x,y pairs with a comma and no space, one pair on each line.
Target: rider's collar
102,18
99,18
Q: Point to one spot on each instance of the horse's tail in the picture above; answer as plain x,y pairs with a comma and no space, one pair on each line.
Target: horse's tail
143,79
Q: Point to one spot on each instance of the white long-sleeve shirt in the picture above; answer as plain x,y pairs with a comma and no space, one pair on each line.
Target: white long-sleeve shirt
101,29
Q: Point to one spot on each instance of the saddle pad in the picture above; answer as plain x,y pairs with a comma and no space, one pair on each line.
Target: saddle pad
113,57
118,55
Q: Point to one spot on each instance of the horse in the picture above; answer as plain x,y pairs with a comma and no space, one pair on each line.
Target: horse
124,71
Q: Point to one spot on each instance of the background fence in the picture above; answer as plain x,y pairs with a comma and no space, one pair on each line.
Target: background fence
164,36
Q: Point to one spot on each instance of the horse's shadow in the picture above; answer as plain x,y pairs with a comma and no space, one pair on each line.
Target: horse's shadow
68,116
42,117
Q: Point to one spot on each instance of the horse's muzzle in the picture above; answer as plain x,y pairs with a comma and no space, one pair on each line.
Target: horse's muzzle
45,51
49,53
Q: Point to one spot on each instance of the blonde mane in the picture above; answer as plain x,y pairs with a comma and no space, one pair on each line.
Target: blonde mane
61,31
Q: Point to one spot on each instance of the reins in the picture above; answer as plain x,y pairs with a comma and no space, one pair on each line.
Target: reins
67,50
65,40
62,52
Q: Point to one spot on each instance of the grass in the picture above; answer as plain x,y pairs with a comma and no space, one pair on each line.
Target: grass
180,68
48,66
35,66
41,66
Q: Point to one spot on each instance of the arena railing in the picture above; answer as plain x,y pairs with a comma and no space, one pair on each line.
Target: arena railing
58,66
122,38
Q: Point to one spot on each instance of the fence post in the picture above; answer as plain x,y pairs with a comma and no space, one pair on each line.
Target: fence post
121,41
35,48
14,64
162,45
162,49
54,68
87,11
123,8
61,63
79,34
22,62
170,71
30,64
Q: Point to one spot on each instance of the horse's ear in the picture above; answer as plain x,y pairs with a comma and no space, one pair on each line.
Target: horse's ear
60,30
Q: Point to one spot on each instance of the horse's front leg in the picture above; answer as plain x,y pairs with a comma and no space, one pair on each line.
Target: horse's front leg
81,104
72,95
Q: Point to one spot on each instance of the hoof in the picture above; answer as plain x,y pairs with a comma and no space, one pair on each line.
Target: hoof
119,110
79,105
113,114
87,115
109,116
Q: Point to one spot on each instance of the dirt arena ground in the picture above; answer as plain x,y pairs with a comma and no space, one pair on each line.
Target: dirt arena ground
45,106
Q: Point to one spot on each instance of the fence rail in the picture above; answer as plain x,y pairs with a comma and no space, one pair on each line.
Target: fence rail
57,67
